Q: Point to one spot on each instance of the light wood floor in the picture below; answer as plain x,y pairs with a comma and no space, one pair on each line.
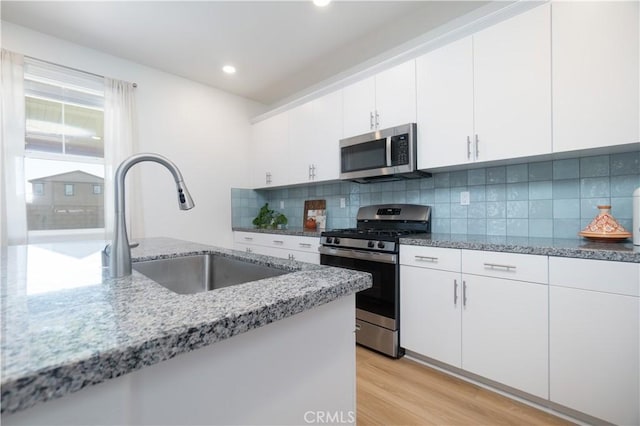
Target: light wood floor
404,392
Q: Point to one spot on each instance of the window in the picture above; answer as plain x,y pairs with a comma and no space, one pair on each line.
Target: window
68,189
64,148
38,189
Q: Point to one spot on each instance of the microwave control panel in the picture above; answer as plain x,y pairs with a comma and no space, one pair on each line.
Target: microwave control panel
400,150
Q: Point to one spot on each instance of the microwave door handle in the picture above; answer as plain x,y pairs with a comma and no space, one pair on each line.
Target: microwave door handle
388,146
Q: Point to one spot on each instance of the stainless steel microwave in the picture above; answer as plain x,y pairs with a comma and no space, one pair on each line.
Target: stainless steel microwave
388,154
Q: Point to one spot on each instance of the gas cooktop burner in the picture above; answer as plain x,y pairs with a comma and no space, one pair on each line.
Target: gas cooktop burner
379,227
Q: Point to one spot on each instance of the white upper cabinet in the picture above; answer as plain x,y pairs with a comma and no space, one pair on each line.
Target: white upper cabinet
384,100
269,150
359,101
512,87
301,128
315,129
396,96
595,74
325,150
488,96
445,105
300,145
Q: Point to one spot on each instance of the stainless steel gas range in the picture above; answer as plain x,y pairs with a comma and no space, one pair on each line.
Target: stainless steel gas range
373,247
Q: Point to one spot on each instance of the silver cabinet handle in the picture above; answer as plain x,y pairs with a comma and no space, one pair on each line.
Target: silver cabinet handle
377,119
468,148
268,178
464,293
249,250
310,174
455,292
313,170
306,245
499,266
371,120
248,238
477,147
426,258
291,257
278,242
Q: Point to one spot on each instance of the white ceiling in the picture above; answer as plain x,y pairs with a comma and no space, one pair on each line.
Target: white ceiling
279,48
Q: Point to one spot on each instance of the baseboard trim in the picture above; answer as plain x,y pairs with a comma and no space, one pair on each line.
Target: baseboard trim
507,391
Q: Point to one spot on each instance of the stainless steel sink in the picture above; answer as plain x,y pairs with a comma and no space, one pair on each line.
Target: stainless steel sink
198,273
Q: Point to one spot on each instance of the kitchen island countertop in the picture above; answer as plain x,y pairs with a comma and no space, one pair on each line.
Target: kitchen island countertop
576,248
67,325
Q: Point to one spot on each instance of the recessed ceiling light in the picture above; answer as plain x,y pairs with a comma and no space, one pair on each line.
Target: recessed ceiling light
229,69
321,3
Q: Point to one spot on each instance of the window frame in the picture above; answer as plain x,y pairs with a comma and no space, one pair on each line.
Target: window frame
38,193
71,193
82,83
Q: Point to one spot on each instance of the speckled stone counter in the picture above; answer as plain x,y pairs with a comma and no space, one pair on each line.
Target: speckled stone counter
66,325
578,248
299,231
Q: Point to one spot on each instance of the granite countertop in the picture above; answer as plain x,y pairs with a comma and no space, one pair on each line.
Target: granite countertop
578,248
67,325
299,231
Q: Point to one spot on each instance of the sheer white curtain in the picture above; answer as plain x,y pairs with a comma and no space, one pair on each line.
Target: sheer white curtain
120,134
13,218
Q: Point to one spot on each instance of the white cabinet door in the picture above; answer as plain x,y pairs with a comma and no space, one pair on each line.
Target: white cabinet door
595,74
594,315
385,100
445,105
512,87
594,353
324,152
315,129
301,141
270,145
505,332
396,96
430,313
359,107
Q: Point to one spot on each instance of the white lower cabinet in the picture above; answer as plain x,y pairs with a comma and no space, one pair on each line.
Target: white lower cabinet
488,325
562,329
595,338
292,247
505,332
430,313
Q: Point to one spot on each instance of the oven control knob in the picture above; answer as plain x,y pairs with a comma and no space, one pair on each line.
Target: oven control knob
370,244
336,240
329,240
380,244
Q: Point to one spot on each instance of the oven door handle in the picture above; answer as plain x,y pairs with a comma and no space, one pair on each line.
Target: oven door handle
358,254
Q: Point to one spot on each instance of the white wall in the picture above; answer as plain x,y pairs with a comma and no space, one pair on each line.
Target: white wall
205,131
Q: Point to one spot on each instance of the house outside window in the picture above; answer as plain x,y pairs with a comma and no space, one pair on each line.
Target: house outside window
64,149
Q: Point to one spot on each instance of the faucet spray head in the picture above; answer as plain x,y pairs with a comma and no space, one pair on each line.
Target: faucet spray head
185,202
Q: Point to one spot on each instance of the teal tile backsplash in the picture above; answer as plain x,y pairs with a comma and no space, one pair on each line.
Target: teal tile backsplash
543,199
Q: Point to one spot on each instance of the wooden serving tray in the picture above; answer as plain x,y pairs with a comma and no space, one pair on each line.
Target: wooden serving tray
309,206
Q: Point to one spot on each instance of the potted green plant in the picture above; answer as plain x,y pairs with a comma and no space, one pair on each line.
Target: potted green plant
268,218
279,220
